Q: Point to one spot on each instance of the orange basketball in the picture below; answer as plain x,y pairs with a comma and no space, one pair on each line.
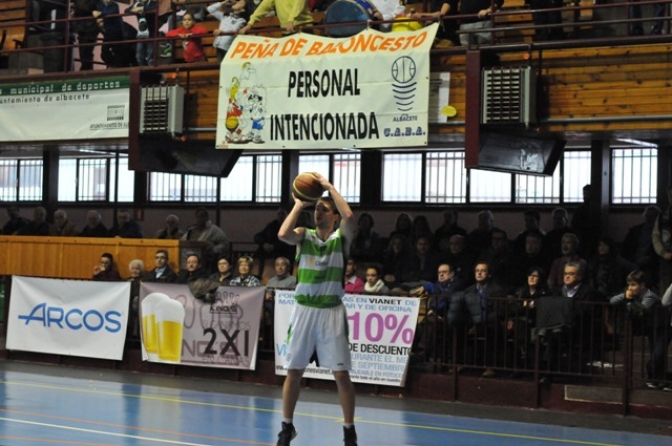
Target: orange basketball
307,187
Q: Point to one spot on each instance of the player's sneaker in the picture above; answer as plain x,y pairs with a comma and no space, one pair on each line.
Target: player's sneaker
286,435
349,436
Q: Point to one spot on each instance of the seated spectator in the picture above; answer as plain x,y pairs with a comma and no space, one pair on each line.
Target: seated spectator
638,244
161,271
403,225
501,258
440,10
477,308
224,272
282,278
38,226
106,270
421,228
351,283
205,231
448,229
533,256
649,318
532,226
126,226
544,18
366,246
62,226
480,12
191,35
172,230
479,238
461,258
94,226
374,283
417,268
192,270
291,16
569,247
397,249
15,222
553,238
243,276
607,270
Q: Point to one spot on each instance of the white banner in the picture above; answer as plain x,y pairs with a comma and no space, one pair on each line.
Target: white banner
94,108
180,329
68,317
381,335
305,91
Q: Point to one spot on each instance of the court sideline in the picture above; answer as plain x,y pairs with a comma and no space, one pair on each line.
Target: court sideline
56,405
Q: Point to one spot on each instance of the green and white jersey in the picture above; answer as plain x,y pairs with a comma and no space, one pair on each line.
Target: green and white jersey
321,266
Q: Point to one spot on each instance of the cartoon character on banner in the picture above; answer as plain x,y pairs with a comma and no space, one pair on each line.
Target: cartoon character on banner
237,119
257,111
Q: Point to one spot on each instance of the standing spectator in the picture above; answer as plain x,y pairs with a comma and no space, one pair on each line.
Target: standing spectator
224,272
532,220
658,13
661,237
230,15
15,222
145,10
292,14
543,18
205,231
480,12
87,31
106,270
570,248
191,35
367,244
38,226
586,224
644,309
172,230
113,53
269,246
553,238
126,226
352,284
94,226
638,244
244,276
161,271
62,226
479,238
448,229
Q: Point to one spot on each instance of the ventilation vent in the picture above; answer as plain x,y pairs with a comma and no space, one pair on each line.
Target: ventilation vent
509,96
162,109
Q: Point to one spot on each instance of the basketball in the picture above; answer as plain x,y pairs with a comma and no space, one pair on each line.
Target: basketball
307,187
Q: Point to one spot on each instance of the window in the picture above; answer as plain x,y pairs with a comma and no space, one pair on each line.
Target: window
402,177
634,176
200,188
126,180
534,189
489,187
576,174
446,179
238,185
269,177
92,176
165,186
347,176
21,180
314,163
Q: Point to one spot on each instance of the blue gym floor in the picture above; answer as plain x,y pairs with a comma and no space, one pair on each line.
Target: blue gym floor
50,405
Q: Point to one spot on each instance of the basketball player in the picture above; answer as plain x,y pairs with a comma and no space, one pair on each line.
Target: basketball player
318,322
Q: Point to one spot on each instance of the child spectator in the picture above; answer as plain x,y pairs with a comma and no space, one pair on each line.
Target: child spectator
230,14
191,34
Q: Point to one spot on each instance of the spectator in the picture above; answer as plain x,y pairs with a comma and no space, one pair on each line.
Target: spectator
569,248
136,273
191,35
421,228
351,282
113,53
397,249
38,226
658,13
145,10
269,245
461,258
106,270
479,238
501,259
87,31
62,226
292,15
230,15
192,270
374,283
404,226
648,317
533,256
416,269
638,244
480,12
243,276
448,229
162,271
553,238
439,11
94,226
607,270
585,224
476,307
367,245
282,278
15,222
662,243
126,226
532,225
205,231
172,230
224,272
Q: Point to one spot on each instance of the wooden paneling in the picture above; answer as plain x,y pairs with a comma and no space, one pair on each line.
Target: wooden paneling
75,257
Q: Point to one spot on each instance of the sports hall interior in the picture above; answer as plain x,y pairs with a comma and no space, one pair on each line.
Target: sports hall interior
602,90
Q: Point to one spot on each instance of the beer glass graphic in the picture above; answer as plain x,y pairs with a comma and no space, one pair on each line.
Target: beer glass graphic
150,334
170,325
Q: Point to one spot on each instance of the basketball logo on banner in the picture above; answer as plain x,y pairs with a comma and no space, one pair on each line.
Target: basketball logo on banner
403,73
